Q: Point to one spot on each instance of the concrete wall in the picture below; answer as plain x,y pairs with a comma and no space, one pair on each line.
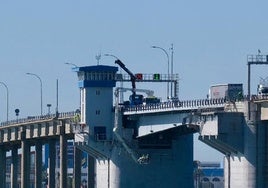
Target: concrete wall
159,122
99,109
242,172
166,167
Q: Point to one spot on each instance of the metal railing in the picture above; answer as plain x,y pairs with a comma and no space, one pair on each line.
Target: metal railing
258,97
191,104
177,104
148,77
30,119
257,58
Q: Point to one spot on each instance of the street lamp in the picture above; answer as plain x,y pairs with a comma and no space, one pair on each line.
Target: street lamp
171,71
111,55
17,111
121,83
48,106
168,66
7,96
71,64
40,89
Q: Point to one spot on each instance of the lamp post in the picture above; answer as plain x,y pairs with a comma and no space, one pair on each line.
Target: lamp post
7,96
48,108
17,111
171,72
168,66
121,83
71,64
40,89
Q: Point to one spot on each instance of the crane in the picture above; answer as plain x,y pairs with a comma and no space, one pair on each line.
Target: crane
134,98
132,76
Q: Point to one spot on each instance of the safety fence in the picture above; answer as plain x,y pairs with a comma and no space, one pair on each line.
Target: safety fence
192,104
30,119
258,97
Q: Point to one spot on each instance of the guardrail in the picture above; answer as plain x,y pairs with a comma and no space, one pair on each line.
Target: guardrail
177,104
199,103
258,97
30,119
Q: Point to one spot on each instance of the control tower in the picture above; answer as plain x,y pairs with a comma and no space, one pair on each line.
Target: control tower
130,150
96,99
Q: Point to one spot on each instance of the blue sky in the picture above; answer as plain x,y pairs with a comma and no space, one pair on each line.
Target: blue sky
211,42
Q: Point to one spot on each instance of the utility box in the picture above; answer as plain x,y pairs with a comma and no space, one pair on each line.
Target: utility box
229,91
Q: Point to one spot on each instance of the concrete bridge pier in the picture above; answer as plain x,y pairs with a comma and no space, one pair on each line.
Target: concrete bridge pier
38,164
52,163
14,166
25,161
91,166
2,166
63,154
77,167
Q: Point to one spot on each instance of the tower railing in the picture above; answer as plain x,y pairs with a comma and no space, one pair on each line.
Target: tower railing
257,58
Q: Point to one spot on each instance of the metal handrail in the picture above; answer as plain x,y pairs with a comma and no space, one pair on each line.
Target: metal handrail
148,77
199,103
177,104
257,58
31,119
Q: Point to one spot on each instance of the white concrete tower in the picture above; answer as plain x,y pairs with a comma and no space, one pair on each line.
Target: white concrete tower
96,94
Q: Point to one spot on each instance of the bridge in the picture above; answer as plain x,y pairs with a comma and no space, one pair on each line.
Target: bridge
124,140
184,117
17,136
222,124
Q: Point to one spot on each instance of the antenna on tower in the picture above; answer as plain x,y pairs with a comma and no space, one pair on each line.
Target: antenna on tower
98,57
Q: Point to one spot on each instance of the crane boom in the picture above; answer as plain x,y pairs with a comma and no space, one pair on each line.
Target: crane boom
132,76
135,99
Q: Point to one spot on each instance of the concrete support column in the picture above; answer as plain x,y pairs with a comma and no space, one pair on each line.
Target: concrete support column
52,163
14,167
2,167
38,164
63,154
25,161
91,166
265,166
77,167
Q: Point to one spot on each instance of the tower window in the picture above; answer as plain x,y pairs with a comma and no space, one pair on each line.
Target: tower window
97,112
97,92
